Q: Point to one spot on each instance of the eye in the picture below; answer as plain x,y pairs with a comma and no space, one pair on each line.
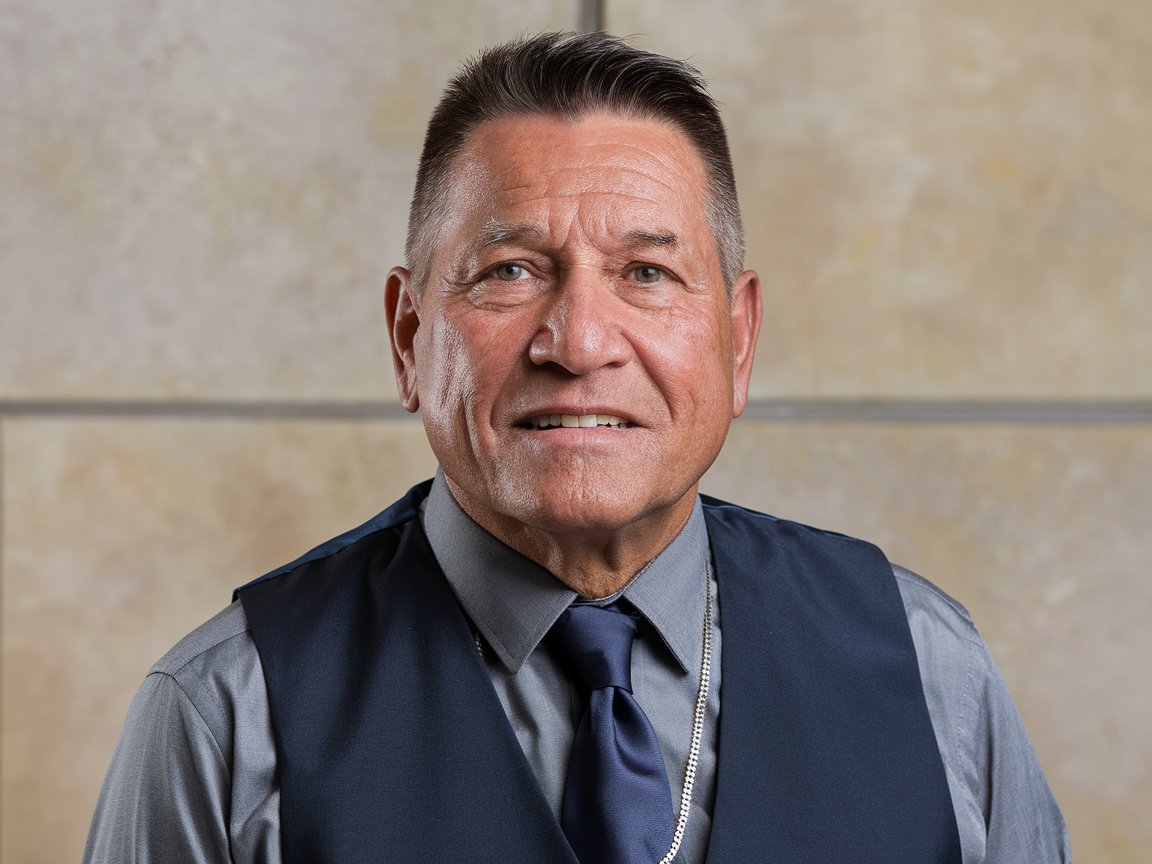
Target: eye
509,272
647,274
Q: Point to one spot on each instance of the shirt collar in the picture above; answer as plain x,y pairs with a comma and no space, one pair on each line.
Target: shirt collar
514,602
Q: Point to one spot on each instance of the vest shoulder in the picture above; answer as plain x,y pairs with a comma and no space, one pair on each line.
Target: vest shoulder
370,533
754,522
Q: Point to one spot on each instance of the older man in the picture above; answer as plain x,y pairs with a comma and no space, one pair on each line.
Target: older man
521,660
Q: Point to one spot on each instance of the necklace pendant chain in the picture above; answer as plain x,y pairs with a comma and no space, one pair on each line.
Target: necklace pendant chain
697,721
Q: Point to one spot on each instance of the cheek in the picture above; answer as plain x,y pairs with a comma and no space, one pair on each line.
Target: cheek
441,357
690,359
464,367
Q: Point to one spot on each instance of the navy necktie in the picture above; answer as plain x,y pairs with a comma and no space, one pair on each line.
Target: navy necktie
617,804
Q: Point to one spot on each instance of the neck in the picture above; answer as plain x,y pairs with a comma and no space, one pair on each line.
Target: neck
593,562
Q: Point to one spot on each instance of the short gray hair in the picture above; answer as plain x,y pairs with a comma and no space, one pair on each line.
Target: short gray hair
572,75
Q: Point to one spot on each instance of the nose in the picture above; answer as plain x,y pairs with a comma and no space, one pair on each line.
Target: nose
582,329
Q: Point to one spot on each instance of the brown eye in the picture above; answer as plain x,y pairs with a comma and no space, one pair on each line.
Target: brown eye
509,272
647,274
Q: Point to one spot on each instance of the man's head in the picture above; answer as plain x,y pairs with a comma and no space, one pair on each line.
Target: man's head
571,345
573,75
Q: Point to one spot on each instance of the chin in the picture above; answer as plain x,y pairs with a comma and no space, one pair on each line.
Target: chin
564,508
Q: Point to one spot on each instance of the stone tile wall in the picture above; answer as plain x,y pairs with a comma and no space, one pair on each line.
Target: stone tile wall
946,199
948,204
1040,530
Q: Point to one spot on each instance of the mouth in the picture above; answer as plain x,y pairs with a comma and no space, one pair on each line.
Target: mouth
575,421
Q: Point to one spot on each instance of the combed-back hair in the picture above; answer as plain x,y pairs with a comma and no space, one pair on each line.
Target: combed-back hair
572,75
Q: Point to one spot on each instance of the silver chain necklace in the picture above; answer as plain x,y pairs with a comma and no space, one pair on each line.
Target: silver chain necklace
697,721
697,716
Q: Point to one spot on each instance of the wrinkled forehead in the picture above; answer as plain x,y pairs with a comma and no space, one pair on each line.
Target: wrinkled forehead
589,141
540,166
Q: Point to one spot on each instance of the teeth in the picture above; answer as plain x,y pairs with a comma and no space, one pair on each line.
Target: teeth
576,421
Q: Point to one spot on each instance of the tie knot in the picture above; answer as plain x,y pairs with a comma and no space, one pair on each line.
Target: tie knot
595,643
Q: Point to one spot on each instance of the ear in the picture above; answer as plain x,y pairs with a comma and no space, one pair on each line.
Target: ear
403,313
746,309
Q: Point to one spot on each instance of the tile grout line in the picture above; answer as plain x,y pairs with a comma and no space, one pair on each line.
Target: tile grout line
1005,411
201,409
3,654
590,15
822,410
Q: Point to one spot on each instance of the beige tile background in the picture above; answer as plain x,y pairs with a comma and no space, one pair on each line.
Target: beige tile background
944,198
200,201
121,536
204,199
1041,531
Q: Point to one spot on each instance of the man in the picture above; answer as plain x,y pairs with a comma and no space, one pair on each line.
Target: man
522,660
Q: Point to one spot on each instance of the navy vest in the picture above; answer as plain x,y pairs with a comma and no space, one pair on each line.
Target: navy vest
393,746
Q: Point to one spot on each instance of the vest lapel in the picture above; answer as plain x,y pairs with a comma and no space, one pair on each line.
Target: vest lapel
826,750
412,761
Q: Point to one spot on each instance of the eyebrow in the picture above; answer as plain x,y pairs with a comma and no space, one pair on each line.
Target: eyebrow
497,233
648,239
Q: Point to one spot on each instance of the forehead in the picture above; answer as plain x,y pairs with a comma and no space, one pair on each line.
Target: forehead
603,165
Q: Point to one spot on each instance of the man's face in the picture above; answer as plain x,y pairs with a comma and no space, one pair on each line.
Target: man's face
575,276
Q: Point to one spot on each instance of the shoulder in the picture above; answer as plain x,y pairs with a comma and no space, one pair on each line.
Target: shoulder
193,775
942,630
954,660
217,670
206,642
356,548
932,611
754,524
811,559
996,782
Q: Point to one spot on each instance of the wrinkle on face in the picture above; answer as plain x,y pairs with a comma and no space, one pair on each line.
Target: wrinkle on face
577,207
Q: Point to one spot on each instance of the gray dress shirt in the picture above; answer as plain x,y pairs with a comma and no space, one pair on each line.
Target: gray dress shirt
194,780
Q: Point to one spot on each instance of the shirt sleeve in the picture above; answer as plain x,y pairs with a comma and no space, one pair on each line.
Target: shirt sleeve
1005,810
165,796
194,778
1024,824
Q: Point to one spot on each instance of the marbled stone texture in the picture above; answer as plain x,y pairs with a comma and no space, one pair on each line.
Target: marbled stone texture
120,536
202,200
943,199
1041,531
